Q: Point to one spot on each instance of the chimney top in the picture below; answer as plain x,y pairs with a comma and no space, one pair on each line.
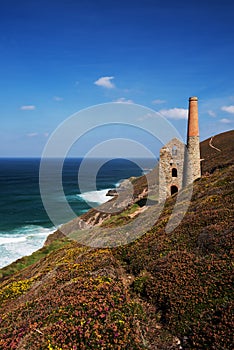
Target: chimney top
194,98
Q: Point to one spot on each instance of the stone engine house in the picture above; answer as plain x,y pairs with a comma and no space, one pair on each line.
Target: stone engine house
171,168
179,164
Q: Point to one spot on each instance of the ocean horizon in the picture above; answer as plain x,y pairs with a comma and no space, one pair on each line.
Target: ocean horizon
24,223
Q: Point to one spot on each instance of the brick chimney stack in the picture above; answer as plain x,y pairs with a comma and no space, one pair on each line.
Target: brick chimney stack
193,165
193,130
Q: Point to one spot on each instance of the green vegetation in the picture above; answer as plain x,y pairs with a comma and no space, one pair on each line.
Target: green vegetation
122,218
26,261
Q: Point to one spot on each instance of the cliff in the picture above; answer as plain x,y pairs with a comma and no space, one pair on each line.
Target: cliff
216,152
163,291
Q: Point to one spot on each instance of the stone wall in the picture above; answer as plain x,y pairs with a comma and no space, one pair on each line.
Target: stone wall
192,160
171,157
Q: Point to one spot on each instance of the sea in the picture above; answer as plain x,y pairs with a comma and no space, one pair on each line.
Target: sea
24,223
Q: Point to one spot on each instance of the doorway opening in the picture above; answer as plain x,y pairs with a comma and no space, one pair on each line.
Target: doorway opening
174,189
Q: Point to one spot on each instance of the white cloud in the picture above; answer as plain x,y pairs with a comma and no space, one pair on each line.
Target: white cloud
32,134
57,98
123,100
158,102
105,82
150,116
175,113
212,113
28,108
35,134
225,121
229,109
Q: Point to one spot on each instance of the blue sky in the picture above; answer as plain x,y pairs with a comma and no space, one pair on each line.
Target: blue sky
58,57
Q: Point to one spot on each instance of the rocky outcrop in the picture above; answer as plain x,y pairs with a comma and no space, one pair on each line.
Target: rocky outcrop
112,193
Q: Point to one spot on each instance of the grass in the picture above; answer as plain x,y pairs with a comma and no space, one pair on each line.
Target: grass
122,218
27,261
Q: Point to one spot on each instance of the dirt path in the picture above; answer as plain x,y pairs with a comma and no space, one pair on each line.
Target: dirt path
210,144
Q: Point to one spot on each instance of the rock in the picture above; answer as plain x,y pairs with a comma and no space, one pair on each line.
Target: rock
53,237
112,193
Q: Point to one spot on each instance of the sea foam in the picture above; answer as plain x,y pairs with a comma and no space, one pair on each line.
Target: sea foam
21,241
27,239
98,197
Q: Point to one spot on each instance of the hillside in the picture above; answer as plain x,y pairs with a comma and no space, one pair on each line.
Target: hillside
163,291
